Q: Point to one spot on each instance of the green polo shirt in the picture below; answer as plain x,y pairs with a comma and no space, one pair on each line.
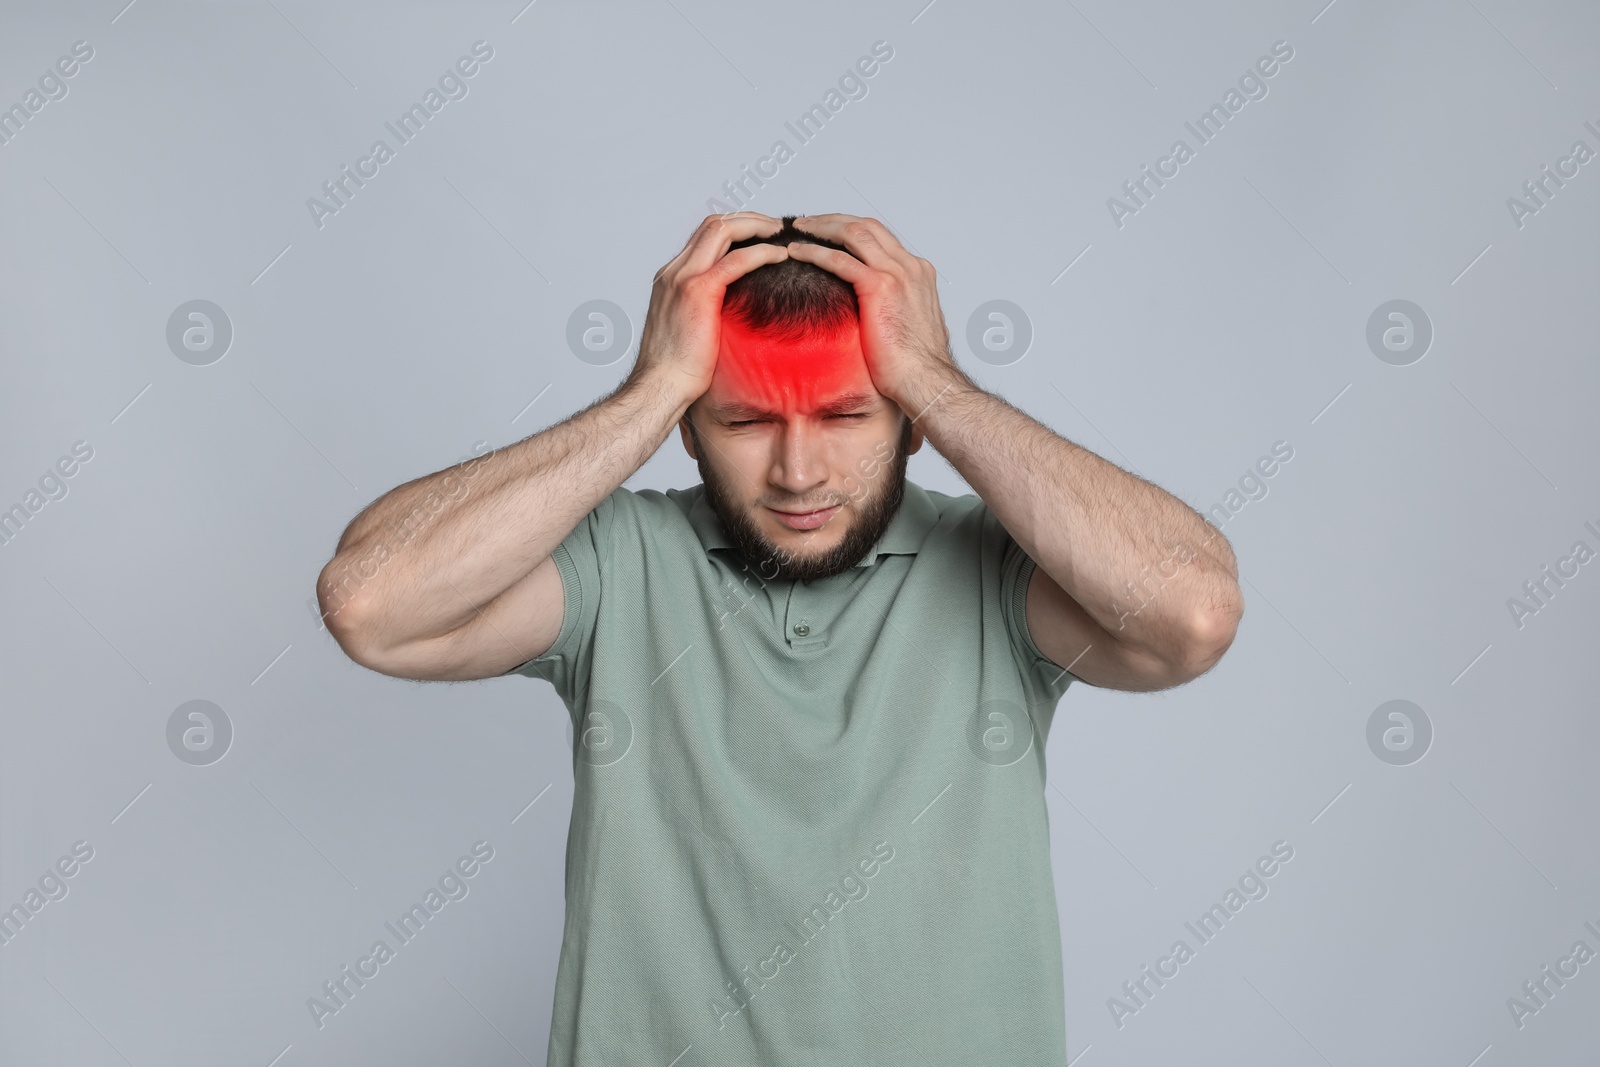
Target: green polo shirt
809,824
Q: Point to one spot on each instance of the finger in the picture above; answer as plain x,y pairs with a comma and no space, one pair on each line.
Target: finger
692,249
843,264
868,238
716,233
742,261
828,219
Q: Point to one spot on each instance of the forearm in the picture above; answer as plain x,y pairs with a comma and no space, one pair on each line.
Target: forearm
1141,563
421,560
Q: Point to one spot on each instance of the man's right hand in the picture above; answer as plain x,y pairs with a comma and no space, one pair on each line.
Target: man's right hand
682,329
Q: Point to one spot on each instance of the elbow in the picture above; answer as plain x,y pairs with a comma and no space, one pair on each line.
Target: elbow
343,612
1211,634
359,623
1191,650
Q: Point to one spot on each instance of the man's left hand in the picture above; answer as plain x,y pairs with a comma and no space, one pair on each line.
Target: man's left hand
903,334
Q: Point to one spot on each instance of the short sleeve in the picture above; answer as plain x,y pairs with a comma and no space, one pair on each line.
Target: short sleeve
580,558
1045,678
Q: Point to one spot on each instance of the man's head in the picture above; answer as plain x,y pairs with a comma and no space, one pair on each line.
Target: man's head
793,424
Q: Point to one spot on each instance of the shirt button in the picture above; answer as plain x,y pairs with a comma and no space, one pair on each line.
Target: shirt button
801,629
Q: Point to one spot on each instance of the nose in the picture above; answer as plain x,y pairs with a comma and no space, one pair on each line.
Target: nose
800,465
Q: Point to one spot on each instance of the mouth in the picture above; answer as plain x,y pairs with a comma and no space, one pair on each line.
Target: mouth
805,520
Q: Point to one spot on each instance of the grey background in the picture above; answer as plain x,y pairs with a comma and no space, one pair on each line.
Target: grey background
1229,314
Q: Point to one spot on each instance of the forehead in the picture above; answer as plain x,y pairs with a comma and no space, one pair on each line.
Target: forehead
758,372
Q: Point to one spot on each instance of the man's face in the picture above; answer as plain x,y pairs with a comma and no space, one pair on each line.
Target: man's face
802,459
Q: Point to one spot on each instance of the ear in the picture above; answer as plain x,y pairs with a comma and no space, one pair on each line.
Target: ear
688,438
916,440
913,440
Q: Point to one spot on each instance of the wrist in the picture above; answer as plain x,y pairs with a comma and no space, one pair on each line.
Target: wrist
664,392
930,385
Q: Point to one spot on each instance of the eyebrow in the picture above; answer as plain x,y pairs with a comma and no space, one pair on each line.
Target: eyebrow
848,403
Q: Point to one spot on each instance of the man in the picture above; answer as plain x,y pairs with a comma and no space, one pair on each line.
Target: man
810,697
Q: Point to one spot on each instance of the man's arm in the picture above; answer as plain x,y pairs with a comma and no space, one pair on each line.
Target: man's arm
437,582
1097,533
1133,589
433,581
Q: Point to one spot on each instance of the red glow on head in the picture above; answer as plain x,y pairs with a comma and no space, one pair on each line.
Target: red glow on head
788,377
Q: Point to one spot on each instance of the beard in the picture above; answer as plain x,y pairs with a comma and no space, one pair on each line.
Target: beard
871,515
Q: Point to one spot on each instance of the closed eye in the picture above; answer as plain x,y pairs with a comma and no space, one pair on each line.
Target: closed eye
851,415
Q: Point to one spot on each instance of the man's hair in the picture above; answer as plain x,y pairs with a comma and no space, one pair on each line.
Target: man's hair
791,299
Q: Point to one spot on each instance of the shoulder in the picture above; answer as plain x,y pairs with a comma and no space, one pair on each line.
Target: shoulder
947,505
656,501
963,516
638,519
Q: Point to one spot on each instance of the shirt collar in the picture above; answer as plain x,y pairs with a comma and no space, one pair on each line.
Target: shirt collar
907,530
